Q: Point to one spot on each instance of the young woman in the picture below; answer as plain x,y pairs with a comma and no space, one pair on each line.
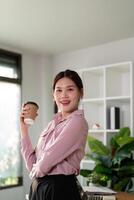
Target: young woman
55,161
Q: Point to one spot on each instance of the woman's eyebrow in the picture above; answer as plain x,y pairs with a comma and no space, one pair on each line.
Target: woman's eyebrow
68,86
71,86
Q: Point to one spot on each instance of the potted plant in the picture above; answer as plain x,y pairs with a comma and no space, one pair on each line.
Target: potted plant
113,164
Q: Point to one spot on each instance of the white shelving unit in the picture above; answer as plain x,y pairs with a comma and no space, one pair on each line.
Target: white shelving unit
104,87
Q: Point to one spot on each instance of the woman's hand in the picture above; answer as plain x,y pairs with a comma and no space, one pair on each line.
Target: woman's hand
23,126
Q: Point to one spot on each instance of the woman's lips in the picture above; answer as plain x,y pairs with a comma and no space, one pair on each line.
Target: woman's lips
65,102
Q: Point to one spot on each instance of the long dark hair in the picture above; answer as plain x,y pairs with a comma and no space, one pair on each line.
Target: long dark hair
73,75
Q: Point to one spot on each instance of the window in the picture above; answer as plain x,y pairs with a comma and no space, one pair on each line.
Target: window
10,101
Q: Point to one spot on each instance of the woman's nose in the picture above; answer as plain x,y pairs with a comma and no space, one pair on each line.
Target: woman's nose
64,94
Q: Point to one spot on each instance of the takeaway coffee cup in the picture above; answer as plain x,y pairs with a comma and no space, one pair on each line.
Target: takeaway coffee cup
32,112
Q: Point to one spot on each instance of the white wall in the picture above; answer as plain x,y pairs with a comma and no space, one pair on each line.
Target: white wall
114,52
37,79
37,75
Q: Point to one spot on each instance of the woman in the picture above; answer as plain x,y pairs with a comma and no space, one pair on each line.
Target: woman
55,162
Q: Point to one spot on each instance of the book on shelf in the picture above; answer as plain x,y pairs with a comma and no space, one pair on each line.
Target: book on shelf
114,117
97,192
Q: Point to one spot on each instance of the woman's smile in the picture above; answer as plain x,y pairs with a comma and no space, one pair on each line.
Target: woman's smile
65,102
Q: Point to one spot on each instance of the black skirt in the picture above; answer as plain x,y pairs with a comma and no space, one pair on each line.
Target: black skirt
54,187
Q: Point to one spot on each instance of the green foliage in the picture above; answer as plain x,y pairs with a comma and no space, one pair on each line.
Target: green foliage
97,146
114,163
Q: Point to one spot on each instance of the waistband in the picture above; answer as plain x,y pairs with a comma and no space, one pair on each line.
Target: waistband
54,177
59,176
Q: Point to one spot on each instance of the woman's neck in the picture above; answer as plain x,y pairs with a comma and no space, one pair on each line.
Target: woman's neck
66,114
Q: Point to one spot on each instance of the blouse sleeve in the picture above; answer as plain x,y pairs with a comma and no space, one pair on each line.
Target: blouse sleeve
28,152
68,141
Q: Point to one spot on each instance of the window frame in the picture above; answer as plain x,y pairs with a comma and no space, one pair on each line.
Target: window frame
18,59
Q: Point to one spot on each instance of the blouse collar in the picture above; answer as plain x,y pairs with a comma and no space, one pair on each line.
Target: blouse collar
57,116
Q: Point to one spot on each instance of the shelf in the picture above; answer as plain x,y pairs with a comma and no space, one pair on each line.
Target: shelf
105,87
95,81
102,131
94,100
93,113
118,80
98,135
96,131
112,131
122,98
125,111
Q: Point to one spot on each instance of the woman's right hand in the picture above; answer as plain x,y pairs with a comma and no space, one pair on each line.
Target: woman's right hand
23,126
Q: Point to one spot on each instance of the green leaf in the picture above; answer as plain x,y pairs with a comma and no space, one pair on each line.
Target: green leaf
101,169
115,164
97,146
123,152
126,171
106,160
85,172
125,140
121,185
121,138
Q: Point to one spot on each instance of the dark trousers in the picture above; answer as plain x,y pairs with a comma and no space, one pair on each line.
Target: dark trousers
54,187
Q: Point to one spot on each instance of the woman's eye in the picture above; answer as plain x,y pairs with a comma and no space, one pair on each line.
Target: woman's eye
58,90
70,89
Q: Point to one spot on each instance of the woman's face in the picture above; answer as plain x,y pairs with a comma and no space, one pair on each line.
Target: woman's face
66,95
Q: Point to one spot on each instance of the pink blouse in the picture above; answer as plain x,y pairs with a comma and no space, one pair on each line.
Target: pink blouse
60,148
